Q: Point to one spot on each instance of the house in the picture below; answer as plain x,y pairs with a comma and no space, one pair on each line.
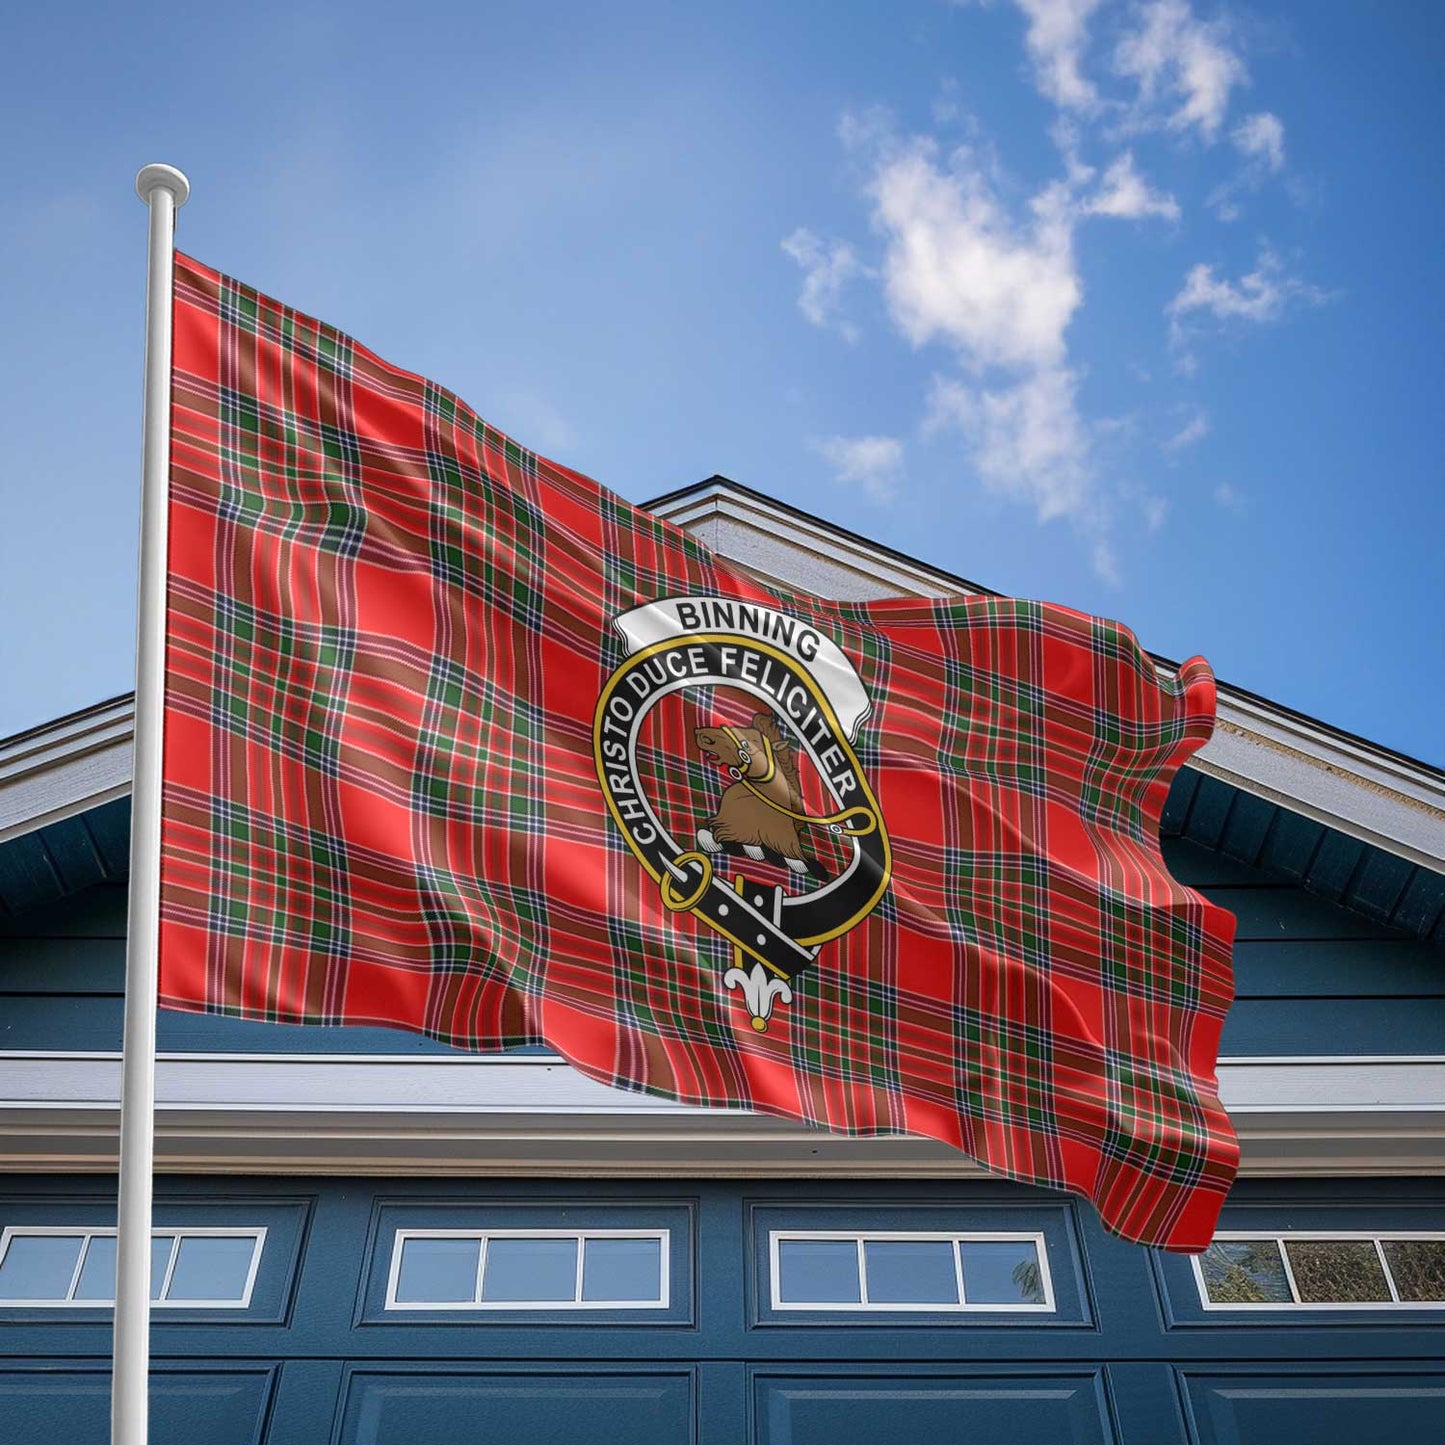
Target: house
364,1237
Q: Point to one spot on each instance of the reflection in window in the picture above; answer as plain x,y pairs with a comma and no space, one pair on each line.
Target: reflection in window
819,1271
1341,1271
528,1269
1418,1268
538,1269
1337,1271
1002,1273
190,1268
440,1271
40,1266
826,1269
1246,1272
910,1271
625,1270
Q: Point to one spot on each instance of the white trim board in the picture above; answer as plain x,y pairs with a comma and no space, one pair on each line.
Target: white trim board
536,1116
72,765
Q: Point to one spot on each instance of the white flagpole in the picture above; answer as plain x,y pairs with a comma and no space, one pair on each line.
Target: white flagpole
163,189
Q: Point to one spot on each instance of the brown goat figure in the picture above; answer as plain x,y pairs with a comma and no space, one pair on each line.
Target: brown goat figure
744,820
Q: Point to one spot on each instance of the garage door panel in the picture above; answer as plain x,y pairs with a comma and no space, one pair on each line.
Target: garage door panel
40,1406
541,1407
1336,1409
994,1409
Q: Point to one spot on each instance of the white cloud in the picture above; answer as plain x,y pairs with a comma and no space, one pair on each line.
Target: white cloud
1124,193
1260,296
1056,39
1228,497
1027,441
965,265
1261,137
874,463
1000,290
1194,430
956,269
827,269
1174,58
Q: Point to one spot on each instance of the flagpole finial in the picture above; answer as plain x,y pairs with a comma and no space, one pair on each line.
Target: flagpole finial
158,177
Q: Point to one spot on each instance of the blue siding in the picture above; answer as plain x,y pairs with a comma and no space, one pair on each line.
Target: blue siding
1313,977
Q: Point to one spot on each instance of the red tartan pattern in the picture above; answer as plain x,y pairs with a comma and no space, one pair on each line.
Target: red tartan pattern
388,629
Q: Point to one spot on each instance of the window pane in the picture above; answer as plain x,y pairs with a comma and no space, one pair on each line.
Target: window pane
1344,1271
622,1269
1002,1273
211,1267
97,1274
39,1266
910,1272
160,1259
1419,1268
818,1271
1245,1272
530,1269
437,1271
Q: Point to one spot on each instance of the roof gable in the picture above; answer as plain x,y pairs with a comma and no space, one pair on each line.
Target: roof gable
1273,790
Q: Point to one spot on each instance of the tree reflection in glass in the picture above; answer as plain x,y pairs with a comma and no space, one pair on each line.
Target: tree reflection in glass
1343,1271
1418,1267
1245,1272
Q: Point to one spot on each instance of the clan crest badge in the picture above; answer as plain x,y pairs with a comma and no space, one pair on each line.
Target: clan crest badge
807,707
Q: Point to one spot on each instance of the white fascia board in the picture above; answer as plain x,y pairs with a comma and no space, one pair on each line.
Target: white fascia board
1384,800
398,1115
68,767
1348,786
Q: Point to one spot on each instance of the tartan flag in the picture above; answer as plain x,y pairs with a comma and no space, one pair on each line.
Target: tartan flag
459,742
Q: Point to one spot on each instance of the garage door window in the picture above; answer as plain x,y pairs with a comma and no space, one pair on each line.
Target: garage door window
42,1267
1322,1271
500,1269
830,1270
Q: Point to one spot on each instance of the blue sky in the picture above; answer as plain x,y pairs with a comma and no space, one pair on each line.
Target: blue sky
1131,306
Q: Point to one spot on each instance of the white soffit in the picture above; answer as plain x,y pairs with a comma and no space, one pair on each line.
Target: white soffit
319,1114
1369,793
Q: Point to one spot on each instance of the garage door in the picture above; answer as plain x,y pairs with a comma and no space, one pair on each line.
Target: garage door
392,1312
